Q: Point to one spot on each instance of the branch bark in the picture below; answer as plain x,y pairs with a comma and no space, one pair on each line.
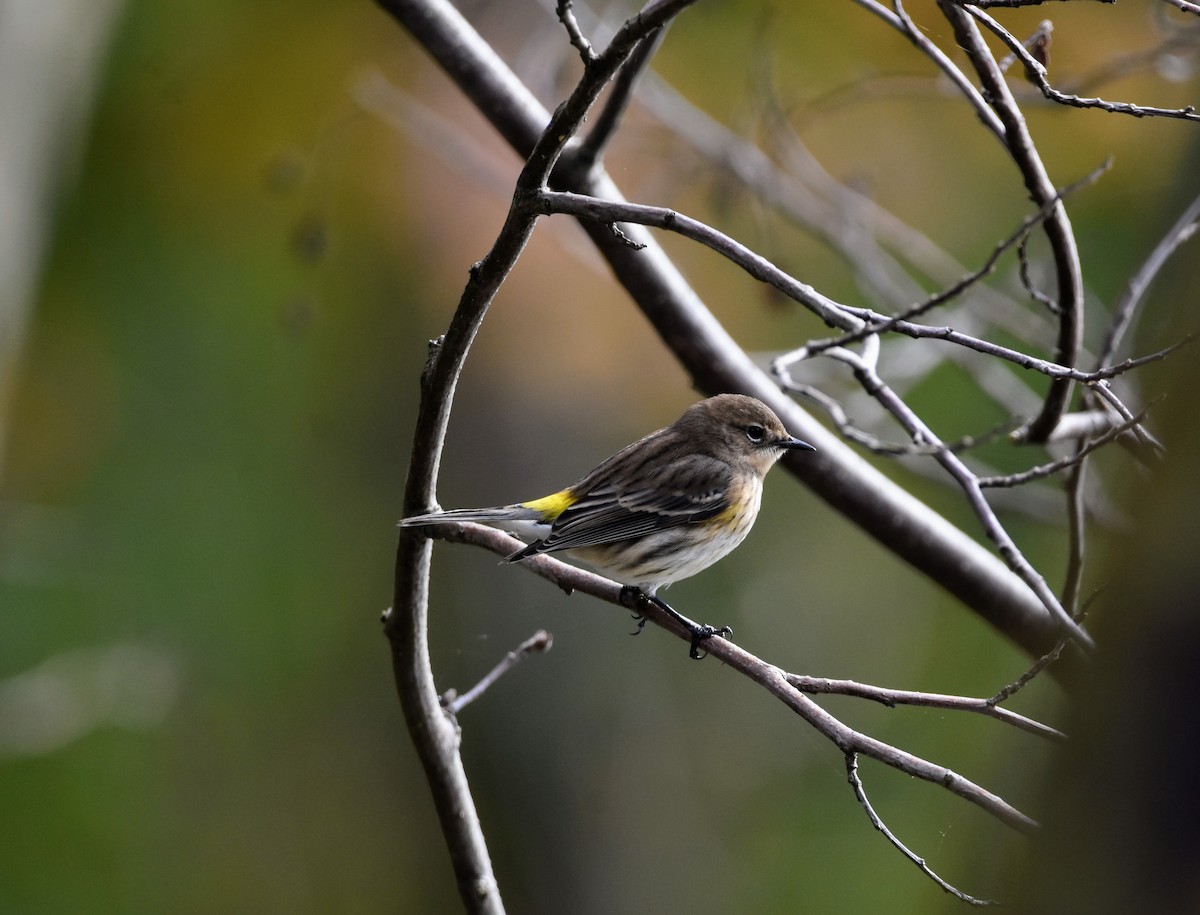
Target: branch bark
1057,225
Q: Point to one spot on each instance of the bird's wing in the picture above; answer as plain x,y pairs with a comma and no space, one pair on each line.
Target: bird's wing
608,511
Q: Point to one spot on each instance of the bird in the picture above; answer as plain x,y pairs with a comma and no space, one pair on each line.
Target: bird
659,510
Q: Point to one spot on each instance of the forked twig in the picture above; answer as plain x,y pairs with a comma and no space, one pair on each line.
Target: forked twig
775,680
1037,74
540,641
860,792
894,697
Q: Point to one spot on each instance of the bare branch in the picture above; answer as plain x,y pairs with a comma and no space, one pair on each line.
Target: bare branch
861,793
610,211
1072,460
899,20
1027,281
597,140
440,27
877,445
541,641
1183,230
1184,5
1008,354
566,15
1104,390
1037,74
953,291
834,313
1007,692
968,482
893,697
767,675
1038,44
1019,143
1013,4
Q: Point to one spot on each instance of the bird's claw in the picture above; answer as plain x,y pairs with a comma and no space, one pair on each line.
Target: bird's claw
700,633
633,598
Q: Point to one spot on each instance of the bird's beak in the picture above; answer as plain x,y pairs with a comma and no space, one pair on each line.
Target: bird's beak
794,444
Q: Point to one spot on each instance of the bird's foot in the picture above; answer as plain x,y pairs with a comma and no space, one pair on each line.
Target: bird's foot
634,598
700,632
631,598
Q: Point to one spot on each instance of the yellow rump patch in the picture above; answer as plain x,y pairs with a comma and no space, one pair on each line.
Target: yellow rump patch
729,516
553,505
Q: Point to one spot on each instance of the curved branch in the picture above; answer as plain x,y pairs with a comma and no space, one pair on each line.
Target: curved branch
859,321
443,30
1057,225
899,20
1036,71
772,678
860,792
969,483
899,521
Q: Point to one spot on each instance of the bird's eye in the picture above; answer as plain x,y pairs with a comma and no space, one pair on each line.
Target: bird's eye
756,434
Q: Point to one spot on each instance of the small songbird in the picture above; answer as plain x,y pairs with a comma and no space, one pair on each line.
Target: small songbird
659,510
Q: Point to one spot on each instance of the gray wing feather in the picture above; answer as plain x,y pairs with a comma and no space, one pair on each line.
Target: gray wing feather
607,513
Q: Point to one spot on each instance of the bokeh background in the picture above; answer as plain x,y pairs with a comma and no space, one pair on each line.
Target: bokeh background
235,263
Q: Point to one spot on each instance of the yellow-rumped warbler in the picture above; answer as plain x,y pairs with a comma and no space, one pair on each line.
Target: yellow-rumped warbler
661,509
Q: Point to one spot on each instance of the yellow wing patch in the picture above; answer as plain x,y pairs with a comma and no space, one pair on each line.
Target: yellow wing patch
553,505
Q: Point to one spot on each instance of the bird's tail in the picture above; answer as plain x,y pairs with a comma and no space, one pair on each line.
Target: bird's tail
498,515
538,512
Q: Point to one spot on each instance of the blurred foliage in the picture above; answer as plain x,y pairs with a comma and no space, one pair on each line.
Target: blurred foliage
209,447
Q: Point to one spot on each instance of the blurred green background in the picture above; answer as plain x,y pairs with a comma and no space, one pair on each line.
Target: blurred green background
206,446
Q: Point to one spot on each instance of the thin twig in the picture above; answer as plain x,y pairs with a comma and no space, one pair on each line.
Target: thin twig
1038,44
833,313
1104,390
541,641
861,793
571,579
566,15
1125,309
893,697
1007,692
954,290
610,211
596,142
877,445
1071,460
1037,74
898,19
1076,528
968,482
1027,281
